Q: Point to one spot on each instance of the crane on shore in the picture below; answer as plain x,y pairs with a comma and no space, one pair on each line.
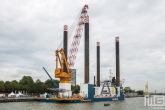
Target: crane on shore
146,89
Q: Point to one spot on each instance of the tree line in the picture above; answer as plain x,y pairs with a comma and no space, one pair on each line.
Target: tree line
139,92
27,84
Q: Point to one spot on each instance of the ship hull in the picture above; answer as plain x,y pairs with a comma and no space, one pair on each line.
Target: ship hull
91,97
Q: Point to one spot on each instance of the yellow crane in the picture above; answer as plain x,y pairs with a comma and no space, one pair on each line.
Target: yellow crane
146,89
59,71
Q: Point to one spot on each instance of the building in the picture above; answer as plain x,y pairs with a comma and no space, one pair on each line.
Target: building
73,79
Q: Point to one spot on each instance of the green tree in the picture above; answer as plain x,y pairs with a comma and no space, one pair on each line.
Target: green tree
28,83
49,83
2,86
39,87
14,81
7,89
15,85
140,92
75,89
11,87
2,82
7,82
129,91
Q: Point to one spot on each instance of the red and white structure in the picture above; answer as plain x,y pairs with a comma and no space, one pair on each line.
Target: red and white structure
78,34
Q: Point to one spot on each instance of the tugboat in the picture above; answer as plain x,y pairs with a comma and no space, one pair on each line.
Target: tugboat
107,104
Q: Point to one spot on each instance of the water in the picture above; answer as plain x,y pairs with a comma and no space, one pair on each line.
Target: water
127,104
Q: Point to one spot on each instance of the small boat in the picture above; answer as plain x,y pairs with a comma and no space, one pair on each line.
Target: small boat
107,104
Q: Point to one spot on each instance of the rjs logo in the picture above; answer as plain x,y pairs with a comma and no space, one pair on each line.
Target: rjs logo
154,100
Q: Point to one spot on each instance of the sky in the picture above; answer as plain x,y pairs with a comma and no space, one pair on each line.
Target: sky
31,31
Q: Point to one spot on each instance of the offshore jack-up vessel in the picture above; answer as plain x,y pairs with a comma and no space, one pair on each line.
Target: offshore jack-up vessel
107,90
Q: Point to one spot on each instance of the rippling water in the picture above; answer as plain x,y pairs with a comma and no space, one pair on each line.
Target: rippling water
127,104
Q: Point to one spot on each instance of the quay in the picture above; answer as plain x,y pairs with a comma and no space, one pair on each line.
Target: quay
6,100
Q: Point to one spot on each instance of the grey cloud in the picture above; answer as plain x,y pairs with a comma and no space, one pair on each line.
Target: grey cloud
30,32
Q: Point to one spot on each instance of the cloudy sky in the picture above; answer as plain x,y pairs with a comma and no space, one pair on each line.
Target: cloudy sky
31,31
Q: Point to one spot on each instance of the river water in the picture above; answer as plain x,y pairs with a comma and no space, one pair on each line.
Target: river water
127,104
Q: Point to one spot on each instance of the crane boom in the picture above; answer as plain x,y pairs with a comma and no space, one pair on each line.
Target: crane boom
55,85
78,33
